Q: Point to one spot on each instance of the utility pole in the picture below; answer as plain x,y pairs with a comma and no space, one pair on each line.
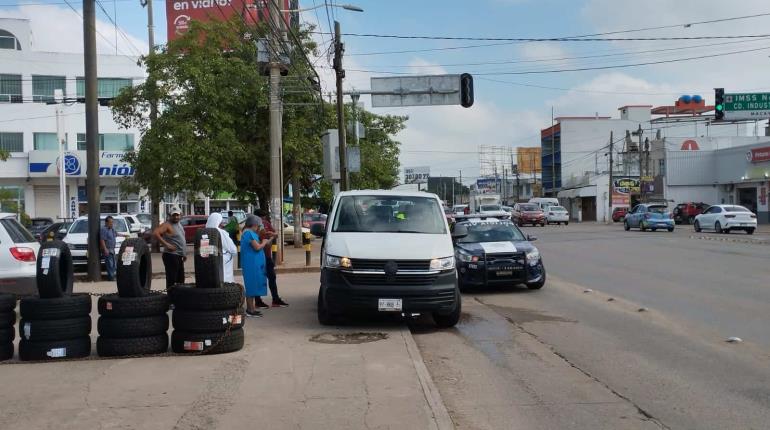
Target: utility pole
639,153
453,192
155,200
59,99
461,185
553,157
92,139
339,49
276,138
609,195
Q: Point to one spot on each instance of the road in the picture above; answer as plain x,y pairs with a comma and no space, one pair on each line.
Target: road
565,357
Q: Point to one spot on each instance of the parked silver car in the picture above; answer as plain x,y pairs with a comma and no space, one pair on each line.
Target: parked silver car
18,254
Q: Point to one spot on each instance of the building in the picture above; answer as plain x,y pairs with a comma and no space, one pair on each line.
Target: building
575,153
28,127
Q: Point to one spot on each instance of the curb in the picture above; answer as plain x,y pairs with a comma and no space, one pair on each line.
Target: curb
441,418
734,240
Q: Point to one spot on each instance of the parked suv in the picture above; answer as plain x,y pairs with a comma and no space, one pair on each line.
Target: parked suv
387,252
18,254
686,212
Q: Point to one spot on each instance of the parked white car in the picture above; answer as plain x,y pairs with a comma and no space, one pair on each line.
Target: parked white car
288,233
556,215
18,254
77,236
725,218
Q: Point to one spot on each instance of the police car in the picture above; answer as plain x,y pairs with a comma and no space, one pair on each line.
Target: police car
494,252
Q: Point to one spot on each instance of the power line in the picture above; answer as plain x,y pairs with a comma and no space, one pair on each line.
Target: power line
133,60
123,34
553,39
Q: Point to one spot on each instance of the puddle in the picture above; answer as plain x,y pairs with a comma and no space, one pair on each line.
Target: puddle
348,338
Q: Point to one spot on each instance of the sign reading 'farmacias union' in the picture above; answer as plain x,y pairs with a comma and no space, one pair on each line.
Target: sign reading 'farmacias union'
46,164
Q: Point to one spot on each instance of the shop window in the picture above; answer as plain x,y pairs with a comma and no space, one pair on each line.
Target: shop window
110,142
10,88
45,142
12,142
43,87
106,87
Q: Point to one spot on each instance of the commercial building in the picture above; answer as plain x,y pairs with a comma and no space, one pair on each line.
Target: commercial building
647,144
28,128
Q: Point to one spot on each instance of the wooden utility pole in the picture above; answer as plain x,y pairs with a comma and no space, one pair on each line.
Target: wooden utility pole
339,49
92,140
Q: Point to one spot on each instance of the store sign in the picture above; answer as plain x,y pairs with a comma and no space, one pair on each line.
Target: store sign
73,207
622,188
46,164
758,155
416,175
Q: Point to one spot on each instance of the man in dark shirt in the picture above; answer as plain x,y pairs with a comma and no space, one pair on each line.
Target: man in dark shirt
107,237
269,262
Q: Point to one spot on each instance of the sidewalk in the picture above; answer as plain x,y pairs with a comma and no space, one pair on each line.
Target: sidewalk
280,380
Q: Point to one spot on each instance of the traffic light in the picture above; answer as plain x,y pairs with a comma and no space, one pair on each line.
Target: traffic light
719,103
466,90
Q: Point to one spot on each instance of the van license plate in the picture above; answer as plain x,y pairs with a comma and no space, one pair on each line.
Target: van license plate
390,305
504,273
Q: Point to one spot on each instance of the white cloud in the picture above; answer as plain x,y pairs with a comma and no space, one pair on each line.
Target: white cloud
59,29
541,50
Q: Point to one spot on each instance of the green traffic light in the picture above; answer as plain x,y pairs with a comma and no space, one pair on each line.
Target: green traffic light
719,107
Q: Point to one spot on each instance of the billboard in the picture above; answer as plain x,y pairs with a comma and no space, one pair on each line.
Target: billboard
179,13
622,188
416,175
487,185
528,160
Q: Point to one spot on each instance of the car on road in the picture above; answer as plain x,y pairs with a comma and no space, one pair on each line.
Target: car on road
459,209
650,216
544,202
387,252
308,219
493,211
495,252
528,213
557,215
18,255
38,225
191,224
685,213
725,218
77,236
619,213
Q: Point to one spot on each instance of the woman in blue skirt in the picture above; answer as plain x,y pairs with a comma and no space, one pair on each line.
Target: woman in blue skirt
253,264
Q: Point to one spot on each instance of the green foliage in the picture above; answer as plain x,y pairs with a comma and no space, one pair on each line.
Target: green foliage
4,155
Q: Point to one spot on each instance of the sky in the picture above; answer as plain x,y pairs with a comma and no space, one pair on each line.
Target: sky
515,83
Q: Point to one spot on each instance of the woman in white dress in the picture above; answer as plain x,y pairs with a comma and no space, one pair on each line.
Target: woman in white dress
229,251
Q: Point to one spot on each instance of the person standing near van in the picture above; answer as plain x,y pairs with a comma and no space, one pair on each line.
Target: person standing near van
107,238
170,234
253,264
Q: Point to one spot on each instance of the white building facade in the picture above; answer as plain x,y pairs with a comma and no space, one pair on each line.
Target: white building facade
28,127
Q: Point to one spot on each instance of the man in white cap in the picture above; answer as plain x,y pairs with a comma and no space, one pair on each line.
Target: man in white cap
170,234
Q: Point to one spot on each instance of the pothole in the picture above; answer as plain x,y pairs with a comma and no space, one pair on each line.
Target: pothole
348,338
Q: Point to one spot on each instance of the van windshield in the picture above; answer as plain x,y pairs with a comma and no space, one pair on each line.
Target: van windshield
389,214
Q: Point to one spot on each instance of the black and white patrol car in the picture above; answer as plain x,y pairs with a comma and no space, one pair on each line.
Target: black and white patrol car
494,252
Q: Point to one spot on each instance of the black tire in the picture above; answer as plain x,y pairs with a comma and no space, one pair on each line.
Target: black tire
114,306
55,280
539,284
48,330
696,226
566,222
626,227
690,220
6,351
186,296
74,306
207,321
209,266
112,347
718,227
671,229
183,342
7,302
749,231
7,335
451,319
51,350
122,328
7,319
325,316
134,268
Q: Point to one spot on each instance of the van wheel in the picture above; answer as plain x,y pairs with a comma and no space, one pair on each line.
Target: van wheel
566,222
449,320
749,231
325,317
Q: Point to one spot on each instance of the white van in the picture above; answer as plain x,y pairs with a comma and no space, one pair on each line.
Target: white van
387,251
544,202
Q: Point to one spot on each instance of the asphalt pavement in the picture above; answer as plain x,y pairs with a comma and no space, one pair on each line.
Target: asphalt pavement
629,332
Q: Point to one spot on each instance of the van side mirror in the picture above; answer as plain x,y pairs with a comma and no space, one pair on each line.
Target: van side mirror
459,231
531,238
318,230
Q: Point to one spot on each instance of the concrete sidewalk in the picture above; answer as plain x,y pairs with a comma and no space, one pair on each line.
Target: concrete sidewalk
280,380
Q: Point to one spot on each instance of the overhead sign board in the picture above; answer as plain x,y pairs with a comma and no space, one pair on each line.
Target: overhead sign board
416,175
400,91
739,106
180,13
487,185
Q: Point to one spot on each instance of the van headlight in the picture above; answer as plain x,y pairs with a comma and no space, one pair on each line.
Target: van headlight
533,257
334,262
446,263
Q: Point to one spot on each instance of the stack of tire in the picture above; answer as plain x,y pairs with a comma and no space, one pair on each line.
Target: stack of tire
208,316
7,323
135,320
55,324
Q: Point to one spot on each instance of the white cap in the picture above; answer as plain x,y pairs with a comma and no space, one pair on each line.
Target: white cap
175,210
